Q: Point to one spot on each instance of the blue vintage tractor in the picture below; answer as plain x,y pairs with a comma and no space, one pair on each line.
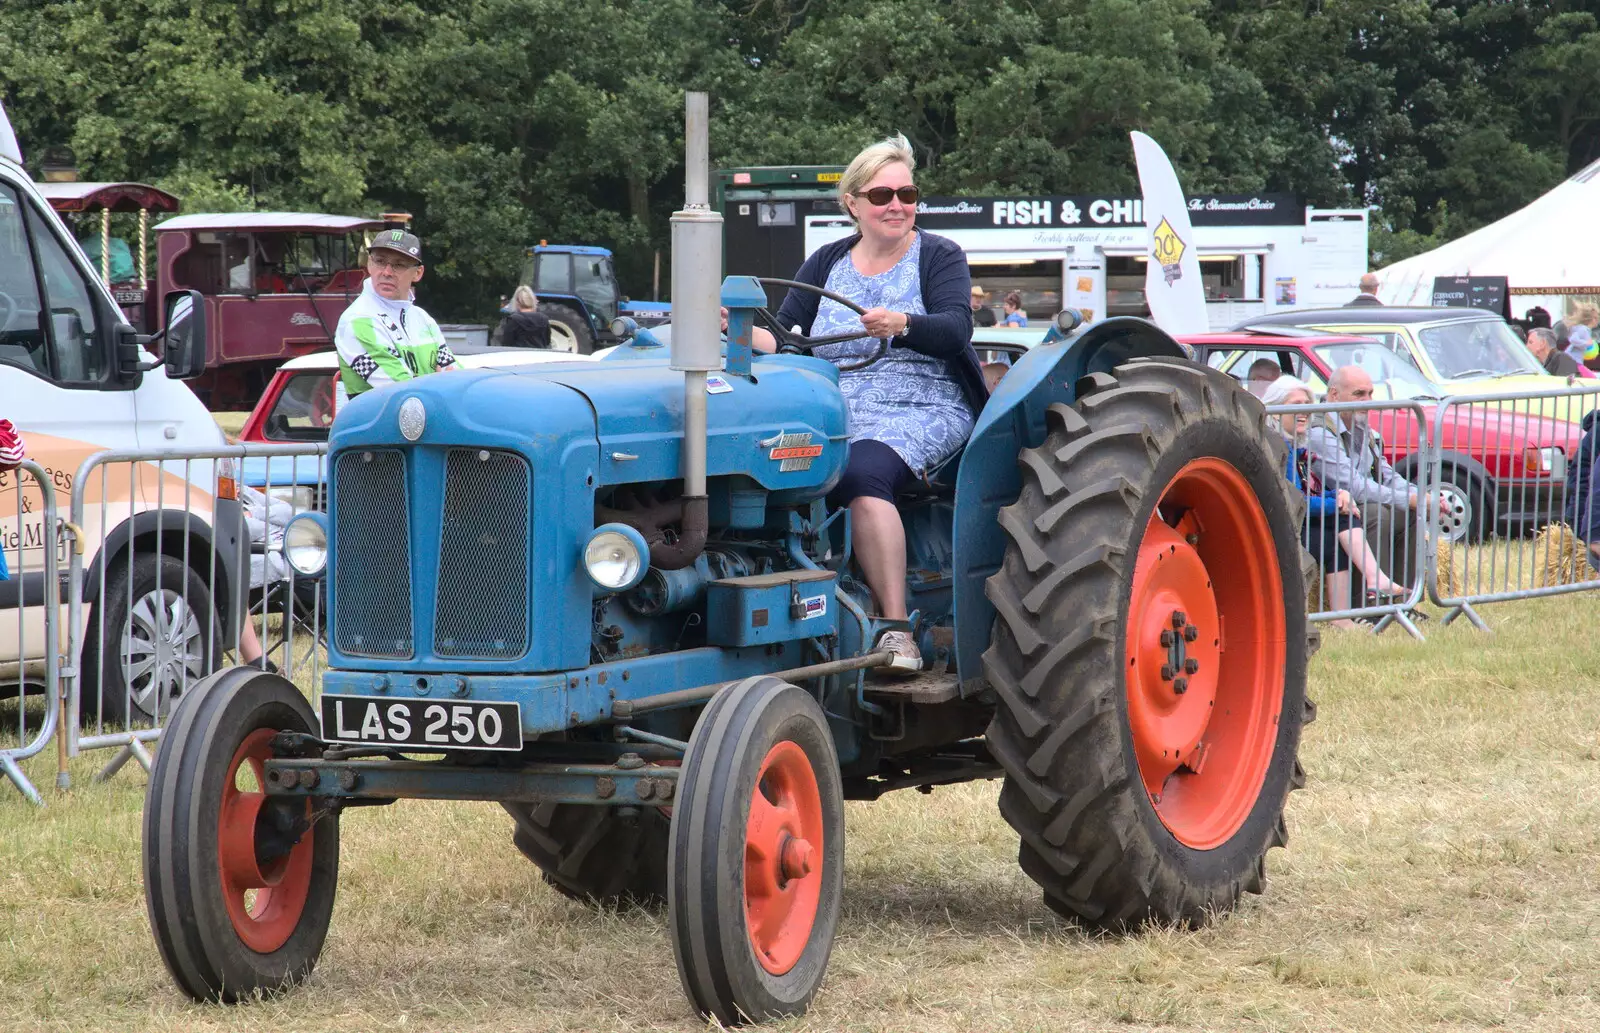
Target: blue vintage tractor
611,597
577,289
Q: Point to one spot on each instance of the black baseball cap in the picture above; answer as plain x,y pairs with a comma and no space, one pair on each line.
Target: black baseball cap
398,240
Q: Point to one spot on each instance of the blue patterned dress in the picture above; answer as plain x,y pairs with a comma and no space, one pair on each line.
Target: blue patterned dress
908,400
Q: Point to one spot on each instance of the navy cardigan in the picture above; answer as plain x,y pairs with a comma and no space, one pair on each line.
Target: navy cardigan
944,331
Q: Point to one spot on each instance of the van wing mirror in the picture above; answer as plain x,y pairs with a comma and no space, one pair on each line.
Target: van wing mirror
183,352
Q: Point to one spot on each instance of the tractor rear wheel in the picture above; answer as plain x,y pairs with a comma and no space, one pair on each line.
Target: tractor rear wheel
577,338
596,854
1149,653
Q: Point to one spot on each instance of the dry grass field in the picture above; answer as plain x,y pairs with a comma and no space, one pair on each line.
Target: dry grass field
1441,874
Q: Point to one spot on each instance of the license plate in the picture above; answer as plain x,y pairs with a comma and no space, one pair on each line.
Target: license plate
421,723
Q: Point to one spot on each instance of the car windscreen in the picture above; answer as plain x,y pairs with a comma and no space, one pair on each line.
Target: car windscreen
304,409
1384,367
1476,348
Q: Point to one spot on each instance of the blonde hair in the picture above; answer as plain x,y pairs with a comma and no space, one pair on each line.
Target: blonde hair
524,299
1588,313
871,161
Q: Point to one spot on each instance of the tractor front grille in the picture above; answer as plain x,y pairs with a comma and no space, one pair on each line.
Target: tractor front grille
372,565
482,606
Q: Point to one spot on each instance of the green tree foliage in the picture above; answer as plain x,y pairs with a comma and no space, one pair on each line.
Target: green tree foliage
501,122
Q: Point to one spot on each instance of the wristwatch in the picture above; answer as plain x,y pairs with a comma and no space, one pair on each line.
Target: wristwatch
903,331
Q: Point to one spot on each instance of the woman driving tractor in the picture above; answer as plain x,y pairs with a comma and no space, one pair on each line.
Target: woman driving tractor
915,407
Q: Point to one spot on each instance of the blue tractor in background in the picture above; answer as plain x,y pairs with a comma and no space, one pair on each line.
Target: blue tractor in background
612,598
577,288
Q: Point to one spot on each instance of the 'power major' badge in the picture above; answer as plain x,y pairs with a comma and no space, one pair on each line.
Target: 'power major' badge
793,452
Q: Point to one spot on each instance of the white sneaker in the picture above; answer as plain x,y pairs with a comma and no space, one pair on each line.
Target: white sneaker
907,657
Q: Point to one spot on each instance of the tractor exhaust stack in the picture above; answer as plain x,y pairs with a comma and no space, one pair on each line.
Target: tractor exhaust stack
697,324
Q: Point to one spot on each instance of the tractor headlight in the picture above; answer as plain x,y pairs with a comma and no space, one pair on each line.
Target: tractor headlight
305,544
616,557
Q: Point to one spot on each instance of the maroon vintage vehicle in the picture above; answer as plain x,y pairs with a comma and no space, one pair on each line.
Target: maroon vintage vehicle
275,284
125,272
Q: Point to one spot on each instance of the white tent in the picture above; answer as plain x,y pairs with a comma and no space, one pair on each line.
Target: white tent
1546,249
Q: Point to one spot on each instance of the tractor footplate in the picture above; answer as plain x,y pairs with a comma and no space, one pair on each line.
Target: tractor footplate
604,784
927,687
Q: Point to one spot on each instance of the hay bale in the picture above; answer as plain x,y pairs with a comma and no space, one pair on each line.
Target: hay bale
1311,571
1452,581
1561,557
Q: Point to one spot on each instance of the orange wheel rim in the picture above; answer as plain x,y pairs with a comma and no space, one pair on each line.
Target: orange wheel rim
280,885
783,857
1205,653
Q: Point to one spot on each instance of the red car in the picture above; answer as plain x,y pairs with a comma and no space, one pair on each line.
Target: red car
1500,470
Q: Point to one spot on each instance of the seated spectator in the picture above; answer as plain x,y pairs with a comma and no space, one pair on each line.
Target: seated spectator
1014,314
1333,530
1542,343
1345,451
1263,372
524,325
1582,511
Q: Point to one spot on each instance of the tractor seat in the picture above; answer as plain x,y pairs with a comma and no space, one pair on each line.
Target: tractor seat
939,480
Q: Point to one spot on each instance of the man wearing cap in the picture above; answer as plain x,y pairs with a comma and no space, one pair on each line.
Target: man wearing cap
982,315
384,337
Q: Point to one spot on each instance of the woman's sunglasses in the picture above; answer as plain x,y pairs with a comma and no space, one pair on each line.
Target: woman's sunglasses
879,196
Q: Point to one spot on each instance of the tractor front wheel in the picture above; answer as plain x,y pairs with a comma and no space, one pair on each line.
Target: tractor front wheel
239,885
1150,648
756,855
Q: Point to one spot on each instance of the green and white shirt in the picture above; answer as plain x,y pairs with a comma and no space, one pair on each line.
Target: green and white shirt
384,342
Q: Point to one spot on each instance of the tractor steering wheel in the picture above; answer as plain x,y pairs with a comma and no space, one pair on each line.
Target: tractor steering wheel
792,343
8,305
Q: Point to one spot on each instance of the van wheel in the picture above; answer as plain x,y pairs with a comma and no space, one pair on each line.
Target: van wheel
152,634
577,338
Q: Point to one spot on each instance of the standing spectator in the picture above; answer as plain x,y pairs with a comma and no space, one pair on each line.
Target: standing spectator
1536,317
982,315
1542,343
1014,314
525,326
1333,531
1578,313
1582,512
384,337
1581,345
1369,292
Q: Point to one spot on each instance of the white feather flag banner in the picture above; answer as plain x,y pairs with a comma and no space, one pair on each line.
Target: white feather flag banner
1172,286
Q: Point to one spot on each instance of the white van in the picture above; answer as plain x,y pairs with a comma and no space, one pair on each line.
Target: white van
75,379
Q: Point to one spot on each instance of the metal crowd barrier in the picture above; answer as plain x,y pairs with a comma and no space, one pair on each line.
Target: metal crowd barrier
1364,521
1516,471
30,537
181,574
